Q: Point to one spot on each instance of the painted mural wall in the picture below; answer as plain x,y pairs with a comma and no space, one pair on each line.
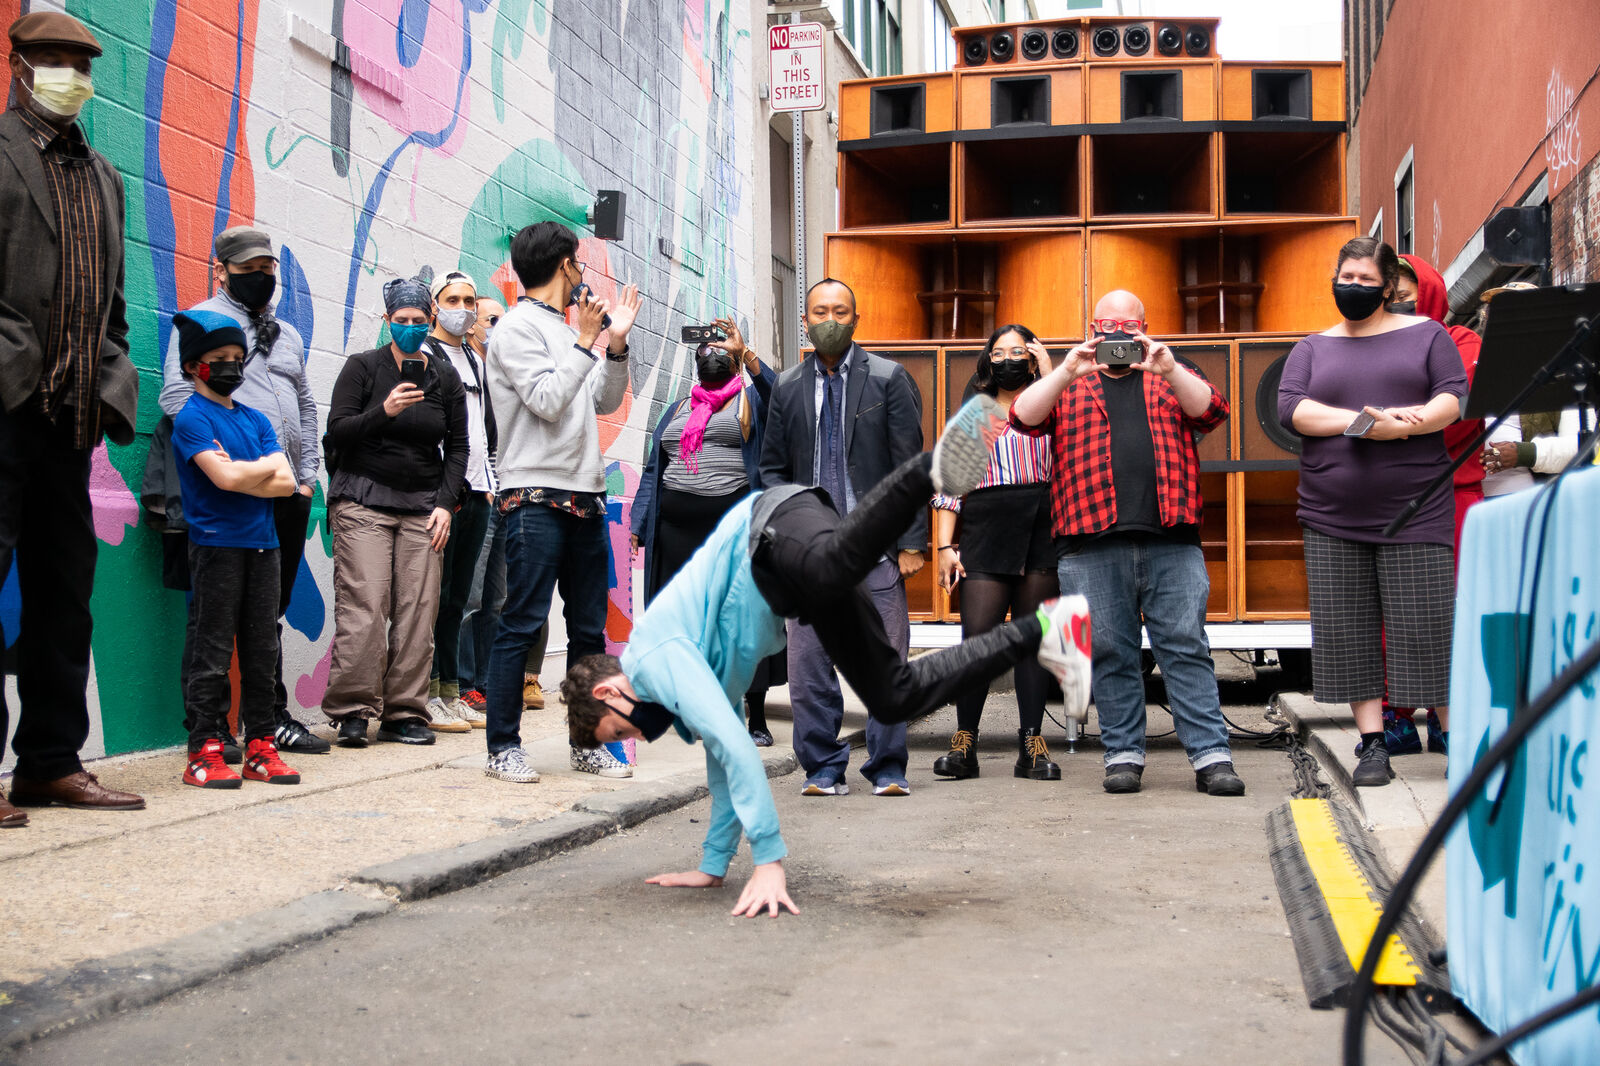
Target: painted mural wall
371,138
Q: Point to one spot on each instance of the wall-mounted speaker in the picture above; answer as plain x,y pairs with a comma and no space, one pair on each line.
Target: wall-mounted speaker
1019,101
1034,44
1064,44
1154,94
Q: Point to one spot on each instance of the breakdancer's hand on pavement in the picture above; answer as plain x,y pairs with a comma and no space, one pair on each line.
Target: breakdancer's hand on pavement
767,890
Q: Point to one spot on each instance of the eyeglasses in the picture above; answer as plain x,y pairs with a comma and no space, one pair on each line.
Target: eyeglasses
1112,325
1010,353
582,266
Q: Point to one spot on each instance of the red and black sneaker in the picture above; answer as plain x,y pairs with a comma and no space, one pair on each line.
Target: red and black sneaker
476,700
261,763
208,770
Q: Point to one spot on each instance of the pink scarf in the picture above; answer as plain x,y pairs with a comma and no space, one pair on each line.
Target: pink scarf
703,403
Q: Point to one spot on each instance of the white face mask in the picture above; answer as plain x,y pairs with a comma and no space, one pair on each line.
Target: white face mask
61,91
457,320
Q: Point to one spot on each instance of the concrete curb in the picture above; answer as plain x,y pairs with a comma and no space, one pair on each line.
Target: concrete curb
141,977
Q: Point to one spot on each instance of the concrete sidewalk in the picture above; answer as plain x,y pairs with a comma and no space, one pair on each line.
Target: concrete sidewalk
1398,814
108,911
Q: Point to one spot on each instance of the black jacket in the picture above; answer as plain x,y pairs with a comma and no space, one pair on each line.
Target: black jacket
882,428
424,446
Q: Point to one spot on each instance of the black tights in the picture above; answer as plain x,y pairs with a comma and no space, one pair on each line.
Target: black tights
985,598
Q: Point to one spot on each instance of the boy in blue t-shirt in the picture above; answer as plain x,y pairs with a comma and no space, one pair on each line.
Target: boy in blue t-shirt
230,467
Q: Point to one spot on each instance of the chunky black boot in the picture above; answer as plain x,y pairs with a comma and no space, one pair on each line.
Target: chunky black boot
962,758
1033,758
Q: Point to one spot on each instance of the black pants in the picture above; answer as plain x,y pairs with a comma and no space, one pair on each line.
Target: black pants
235,602
291,516
46,524
809,564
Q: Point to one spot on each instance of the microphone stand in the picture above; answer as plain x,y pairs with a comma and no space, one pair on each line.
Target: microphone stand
1568,364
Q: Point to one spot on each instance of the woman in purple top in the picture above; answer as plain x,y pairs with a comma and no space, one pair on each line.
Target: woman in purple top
1370,398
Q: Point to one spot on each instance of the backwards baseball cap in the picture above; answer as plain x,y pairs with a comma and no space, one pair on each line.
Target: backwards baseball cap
1512,286
239,243
52,27
451,277
200,332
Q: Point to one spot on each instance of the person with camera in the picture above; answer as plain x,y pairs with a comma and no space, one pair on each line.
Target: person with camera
1370,398
705,456
997,542
547,386
1122,413
397,451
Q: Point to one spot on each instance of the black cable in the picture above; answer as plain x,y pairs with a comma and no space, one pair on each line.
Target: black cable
1523,720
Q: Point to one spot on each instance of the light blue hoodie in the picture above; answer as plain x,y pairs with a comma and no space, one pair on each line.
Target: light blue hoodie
694,650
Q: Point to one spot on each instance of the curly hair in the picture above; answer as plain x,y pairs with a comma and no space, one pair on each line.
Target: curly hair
584,711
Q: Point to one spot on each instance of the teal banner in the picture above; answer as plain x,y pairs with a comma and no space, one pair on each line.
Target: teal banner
1523,870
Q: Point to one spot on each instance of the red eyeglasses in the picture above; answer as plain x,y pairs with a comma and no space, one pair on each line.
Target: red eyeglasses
1112,325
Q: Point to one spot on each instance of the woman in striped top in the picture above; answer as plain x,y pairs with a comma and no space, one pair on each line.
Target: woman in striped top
997,542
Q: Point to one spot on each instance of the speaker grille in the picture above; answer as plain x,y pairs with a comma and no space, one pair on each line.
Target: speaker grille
1136,40
975,52
1034,44
1002,45
1064,44
1106,41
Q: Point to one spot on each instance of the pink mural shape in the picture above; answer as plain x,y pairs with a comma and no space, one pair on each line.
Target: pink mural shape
311,687
115,509
426,100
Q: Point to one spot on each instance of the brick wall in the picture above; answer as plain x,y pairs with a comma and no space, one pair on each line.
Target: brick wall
1575,228
371,138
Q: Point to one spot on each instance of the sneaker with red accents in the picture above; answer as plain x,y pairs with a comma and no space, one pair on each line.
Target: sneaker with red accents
476,700
208,770
261,763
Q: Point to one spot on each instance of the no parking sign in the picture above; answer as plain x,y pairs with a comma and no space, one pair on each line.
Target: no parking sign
795,51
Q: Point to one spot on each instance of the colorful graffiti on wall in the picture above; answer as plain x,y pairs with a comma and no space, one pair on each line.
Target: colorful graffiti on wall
370,140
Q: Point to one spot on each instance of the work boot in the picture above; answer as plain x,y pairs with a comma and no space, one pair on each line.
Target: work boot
1123,777
962,758
1033,758
1219,779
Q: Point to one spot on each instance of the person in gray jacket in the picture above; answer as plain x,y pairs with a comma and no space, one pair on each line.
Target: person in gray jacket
245,273
546,386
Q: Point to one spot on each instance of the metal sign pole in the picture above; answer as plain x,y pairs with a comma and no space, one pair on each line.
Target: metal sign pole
797,148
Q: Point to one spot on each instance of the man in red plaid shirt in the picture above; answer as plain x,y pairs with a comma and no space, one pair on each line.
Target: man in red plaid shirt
1126,500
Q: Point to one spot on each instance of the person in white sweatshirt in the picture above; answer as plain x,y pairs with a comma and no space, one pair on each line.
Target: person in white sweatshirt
547,388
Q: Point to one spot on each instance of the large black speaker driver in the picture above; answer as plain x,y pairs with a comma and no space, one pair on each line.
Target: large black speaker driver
1267,408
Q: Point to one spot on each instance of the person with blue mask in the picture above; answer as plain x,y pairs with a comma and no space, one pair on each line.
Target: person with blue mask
396,450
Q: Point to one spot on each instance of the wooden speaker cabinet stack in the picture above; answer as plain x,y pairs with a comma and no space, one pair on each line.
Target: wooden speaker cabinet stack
1065,158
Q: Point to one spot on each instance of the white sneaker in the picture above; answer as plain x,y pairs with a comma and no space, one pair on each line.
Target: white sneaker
440,720
961,457
511,765
600,762
1065,650
463,710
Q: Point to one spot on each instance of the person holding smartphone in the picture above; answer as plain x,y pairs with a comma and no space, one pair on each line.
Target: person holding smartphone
397,451
997,542
1370,398
1125,502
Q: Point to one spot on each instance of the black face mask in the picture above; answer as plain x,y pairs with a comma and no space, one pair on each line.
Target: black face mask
1357,302
1010,374
714,366
1402,307
221,378
651,719
253,289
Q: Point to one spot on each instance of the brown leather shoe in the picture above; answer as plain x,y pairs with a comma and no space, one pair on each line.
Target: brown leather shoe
10,817
81,790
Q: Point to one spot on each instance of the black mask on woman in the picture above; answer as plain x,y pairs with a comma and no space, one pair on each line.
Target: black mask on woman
1357,302
714,366
1402,307
253,288
1010,374
651,719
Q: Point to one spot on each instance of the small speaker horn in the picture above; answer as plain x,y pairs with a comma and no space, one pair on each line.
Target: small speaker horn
1136,40
1002,45
975,52
1197,42
1106,41
1064,44
1034,44
1169,40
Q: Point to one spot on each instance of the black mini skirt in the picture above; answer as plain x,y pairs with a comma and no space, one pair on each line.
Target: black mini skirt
1006,530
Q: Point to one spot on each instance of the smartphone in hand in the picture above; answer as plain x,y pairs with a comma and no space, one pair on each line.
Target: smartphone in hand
1361,424
412,370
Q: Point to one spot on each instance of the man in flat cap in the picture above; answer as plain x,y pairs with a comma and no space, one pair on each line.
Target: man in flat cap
244,270
65,381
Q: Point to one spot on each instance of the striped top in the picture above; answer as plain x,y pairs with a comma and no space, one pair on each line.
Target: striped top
719,464
72,344
1015,459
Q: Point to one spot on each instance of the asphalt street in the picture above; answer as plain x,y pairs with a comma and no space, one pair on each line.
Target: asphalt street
988,920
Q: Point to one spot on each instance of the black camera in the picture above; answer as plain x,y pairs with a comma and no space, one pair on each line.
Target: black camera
701,334
1115,350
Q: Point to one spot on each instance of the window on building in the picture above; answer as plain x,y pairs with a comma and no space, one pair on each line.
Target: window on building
940,49
1405,202
873,29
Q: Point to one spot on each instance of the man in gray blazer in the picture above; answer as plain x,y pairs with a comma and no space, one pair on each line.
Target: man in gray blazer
843,419
65,381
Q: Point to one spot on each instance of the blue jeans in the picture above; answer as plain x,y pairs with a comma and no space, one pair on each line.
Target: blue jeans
484,600
546,549
818,704
1125,576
